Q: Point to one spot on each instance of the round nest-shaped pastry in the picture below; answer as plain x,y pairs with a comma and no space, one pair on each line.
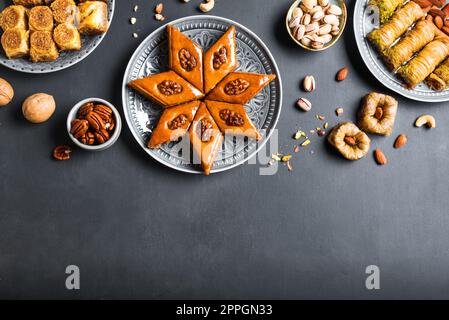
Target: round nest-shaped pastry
349,140
13,17
41,41
41,19
378,114
65,11
67,37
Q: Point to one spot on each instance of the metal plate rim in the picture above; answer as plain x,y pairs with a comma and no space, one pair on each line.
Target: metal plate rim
180,20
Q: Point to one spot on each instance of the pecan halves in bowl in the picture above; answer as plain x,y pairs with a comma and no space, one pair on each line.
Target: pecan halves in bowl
378,113
349,140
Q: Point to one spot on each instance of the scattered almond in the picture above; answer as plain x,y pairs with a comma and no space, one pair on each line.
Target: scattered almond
342,74
380,157
400,141
159,8
350,141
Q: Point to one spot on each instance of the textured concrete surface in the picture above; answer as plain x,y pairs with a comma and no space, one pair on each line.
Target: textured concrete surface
139,230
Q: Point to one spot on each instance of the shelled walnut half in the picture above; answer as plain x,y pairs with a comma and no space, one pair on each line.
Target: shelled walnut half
378,113
349,140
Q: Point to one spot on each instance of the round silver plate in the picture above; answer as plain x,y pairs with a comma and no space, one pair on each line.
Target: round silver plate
152,57
365,20
65,60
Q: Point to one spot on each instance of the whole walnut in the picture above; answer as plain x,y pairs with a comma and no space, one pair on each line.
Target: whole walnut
349,140
6,92
38,108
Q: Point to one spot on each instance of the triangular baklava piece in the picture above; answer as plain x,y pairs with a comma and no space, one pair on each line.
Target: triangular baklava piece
167,89
185,57
220,60
240,87
206,138
232,119
173,124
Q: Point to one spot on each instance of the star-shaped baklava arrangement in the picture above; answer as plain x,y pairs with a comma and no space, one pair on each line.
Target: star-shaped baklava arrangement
202,95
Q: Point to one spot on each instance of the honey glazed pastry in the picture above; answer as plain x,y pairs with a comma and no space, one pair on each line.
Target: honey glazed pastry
29,3
93,17
42,47
13,17
15,43
41,19
67,37
65,11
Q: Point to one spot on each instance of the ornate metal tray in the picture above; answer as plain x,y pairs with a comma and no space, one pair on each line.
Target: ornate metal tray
65,60
152,57
365,20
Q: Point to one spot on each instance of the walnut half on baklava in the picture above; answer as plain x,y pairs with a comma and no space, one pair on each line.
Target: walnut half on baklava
93,17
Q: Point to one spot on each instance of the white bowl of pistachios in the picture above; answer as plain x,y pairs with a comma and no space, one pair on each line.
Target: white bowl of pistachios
316,25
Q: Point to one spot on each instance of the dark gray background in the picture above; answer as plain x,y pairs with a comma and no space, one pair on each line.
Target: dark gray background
139,230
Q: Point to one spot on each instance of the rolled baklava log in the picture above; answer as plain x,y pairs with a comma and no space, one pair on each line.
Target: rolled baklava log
67,37
93,17
15,43
41,19
28,3
42,47
65,11
13,17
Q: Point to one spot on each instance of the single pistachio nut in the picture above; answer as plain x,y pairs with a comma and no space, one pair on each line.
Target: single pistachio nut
312,28
304,104
300,31
318,15
309,4
331,19
324,29
323,3
317,44
305,20
297,12
294,22
427,120
315,10
306,41
309,83
335,30
335,10
326,38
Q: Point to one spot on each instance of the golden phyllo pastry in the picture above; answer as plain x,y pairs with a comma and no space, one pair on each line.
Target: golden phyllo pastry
93,17
42,47
28,3
67,37
41,19
15,43
65,11
13,17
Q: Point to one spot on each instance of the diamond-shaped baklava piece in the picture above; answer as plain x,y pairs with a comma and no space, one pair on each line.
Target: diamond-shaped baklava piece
167,89
206,138
220,59
173,124
185,57
240,87
232,119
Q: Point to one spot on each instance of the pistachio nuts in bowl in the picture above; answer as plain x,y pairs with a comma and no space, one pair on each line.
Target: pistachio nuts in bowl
316,25
94,124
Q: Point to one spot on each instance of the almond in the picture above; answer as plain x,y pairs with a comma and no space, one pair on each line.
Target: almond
438,3
445,9
423,3
437,12
438,22
158,9
400,141
342,74
350,141
380,157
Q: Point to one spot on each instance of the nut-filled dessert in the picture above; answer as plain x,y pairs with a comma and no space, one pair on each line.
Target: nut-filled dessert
41,30
196,75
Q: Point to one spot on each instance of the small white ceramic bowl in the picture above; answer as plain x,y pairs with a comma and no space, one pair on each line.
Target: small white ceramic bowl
115,134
